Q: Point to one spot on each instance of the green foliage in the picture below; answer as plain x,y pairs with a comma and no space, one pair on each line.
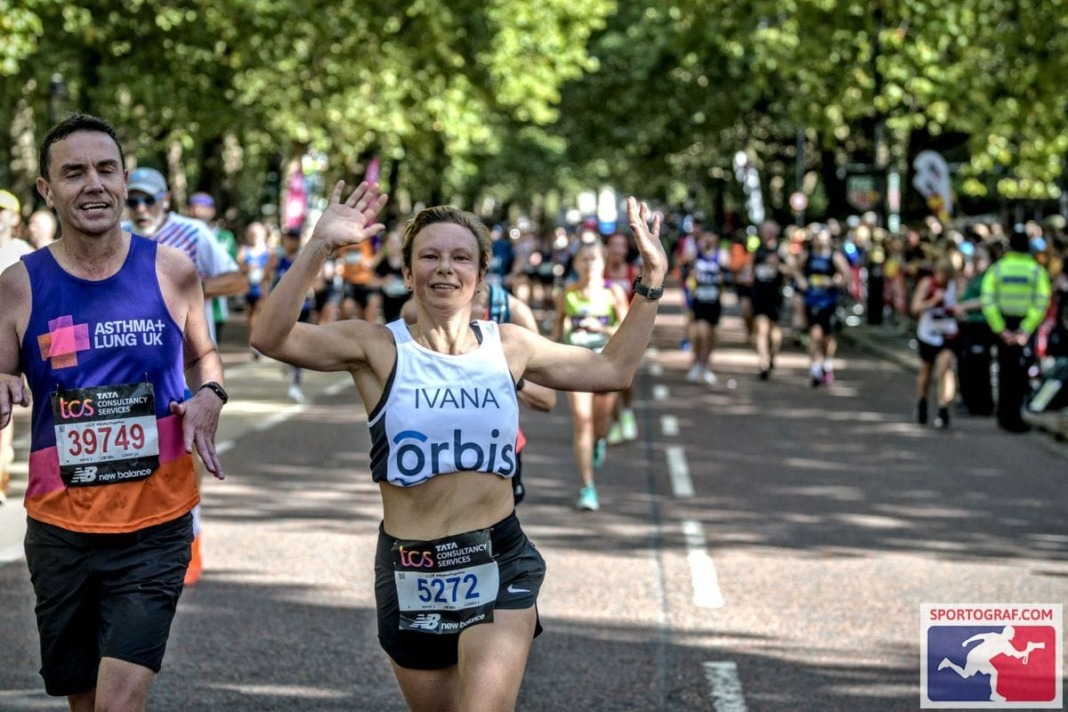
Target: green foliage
511,99
431,83
20,28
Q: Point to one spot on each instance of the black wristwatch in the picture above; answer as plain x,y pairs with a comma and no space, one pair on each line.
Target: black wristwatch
651,293
215,388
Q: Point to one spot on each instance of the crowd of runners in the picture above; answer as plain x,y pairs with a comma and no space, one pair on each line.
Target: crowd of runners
574,283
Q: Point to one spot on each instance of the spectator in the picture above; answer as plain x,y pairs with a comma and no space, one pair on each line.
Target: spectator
148,201
974,358
202,207
1015,296
11,250
41,228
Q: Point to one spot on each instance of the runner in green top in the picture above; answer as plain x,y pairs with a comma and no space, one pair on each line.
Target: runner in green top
587,314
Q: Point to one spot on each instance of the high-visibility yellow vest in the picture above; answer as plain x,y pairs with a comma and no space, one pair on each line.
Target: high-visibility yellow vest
1015,286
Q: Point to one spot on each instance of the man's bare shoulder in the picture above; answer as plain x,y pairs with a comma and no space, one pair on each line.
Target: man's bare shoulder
17,298
174,262
14,283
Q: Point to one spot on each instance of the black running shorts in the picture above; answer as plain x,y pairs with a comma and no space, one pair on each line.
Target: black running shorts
707,311
929,352
104,595
521,569
767,301
824,317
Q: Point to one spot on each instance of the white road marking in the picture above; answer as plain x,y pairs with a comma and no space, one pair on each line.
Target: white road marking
279,417
14,552
681,484
224,446
661,392
336,388
669,426
706,593
726,689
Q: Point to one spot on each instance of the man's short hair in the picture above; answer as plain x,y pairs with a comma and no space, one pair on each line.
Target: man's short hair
66,127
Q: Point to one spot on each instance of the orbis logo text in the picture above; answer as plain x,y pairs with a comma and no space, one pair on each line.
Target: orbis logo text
416,456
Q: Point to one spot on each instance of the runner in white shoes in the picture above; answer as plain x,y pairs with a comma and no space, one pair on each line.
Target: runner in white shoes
588,312
706,287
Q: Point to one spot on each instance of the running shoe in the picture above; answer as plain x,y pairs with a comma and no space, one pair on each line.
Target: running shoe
629,424
296,395
600,451
764,373
694,374
817,376
708,377
196,564
920,413
941,420
828,377
615,434
588,499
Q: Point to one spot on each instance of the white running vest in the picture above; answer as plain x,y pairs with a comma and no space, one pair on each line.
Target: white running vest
442,413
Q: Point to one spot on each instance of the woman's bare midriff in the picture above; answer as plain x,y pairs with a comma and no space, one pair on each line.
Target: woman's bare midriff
445,505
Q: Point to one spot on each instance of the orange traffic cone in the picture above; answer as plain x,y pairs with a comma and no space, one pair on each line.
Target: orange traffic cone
196,564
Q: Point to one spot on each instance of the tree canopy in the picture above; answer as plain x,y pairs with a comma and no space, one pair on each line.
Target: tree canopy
513,101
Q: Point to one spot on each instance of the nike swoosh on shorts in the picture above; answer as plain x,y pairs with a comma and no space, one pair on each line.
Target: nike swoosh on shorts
513,589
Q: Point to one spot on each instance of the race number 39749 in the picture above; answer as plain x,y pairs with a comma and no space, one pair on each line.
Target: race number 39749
105,440
106,434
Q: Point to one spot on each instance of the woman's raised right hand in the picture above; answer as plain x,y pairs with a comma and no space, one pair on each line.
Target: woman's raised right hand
351,221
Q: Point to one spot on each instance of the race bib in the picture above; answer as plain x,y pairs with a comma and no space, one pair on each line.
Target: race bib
820,281
934,329
447,584
766,272
580,336
394,288
706,293
946,326
106,434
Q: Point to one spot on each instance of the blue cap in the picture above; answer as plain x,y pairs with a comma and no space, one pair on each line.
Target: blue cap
147,180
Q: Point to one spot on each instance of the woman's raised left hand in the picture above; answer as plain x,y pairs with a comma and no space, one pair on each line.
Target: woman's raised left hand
647,237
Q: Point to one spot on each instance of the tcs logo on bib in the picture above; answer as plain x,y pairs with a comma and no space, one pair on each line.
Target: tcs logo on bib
71,409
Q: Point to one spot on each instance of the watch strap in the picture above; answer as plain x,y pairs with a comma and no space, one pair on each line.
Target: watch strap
215,388
646,291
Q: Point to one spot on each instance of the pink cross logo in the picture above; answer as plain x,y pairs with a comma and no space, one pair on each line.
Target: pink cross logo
63,342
